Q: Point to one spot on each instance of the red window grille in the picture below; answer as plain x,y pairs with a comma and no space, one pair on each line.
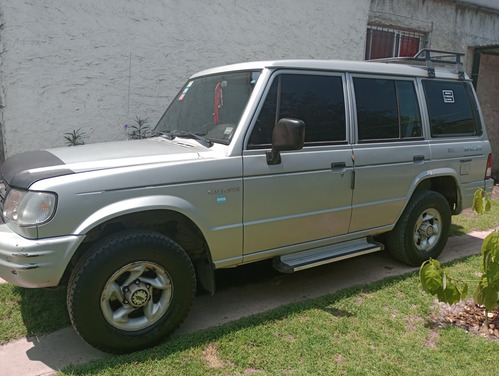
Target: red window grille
381,43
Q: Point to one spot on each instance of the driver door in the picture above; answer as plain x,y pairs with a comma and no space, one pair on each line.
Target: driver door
307,196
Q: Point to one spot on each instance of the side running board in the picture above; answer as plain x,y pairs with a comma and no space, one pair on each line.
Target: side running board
324,255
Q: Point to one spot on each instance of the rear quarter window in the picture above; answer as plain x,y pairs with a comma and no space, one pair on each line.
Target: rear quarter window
451,113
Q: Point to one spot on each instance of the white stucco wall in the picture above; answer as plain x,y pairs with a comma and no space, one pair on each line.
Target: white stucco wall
66,65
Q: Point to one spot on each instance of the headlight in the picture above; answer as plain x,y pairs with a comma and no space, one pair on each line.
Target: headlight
29,208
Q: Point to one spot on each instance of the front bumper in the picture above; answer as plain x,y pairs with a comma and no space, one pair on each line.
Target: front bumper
35,263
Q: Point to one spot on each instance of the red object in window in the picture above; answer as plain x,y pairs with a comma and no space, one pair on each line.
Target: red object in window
217,102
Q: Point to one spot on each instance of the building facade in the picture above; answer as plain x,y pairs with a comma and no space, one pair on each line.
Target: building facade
92,67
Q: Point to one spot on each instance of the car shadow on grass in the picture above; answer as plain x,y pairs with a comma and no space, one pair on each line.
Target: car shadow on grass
43,310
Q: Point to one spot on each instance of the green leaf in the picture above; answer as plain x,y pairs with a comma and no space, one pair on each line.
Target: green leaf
431,276
450,294
435,281
489,249
489,259
477,204
487,206
487,289
486,294
464,292
481,202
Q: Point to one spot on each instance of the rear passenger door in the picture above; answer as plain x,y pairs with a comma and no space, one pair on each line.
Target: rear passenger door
390,151
307,196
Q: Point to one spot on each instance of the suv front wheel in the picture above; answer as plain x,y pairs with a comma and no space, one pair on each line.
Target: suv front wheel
130,291
422,230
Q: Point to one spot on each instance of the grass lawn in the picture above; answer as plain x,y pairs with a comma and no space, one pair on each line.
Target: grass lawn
30,312
469,220
380,329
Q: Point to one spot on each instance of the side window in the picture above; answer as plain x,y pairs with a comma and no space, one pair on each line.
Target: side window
316,100
450,111
386,109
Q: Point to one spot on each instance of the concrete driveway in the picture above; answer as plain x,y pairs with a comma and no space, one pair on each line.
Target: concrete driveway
241,292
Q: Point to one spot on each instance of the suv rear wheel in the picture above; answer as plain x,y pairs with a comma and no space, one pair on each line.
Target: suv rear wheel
422,230
130,291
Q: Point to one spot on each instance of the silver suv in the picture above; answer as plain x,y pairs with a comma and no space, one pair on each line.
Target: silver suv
301,162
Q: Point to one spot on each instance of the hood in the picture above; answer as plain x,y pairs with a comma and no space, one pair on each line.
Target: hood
23,169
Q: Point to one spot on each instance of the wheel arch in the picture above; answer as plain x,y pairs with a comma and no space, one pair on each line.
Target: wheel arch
445,182
155,214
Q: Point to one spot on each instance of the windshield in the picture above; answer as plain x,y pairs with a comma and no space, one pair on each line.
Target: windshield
209,106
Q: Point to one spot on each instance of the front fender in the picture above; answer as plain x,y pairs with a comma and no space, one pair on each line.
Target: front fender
224,241
139,204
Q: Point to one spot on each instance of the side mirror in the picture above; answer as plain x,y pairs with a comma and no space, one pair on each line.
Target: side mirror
288,134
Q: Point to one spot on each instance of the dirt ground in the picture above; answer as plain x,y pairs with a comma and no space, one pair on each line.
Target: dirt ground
469,316
494,194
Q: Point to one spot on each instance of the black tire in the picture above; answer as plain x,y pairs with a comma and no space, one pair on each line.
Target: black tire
130,291
422,230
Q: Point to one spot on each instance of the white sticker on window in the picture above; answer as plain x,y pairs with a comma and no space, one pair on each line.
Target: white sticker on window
448,96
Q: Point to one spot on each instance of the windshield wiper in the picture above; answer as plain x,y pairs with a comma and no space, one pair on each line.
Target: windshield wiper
166,135
170,135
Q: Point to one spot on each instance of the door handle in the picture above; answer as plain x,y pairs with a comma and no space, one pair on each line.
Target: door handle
338,166
418,158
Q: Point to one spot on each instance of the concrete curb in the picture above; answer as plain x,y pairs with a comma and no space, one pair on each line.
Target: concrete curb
46,354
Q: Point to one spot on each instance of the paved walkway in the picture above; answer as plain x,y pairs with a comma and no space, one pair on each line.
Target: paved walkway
236,298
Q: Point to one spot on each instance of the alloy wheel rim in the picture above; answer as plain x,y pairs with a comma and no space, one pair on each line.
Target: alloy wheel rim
136,296
427,230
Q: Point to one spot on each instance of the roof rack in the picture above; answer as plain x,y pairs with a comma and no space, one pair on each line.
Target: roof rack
425,55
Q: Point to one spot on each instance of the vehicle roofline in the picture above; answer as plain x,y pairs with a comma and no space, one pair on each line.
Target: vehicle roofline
372,67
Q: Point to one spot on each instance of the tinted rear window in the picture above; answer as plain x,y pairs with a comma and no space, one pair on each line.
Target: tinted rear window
450,110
